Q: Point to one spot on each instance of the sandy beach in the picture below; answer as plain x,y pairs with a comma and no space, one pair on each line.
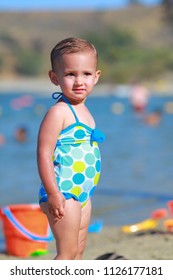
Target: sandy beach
148,245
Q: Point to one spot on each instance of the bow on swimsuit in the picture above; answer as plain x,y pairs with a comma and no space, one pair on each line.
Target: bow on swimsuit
76,159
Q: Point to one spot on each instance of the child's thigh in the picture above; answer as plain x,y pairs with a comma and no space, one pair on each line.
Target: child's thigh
65,230
85,220
86,215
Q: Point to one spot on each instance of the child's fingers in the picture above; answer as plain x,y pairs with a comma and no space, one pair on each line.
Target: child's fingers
61,212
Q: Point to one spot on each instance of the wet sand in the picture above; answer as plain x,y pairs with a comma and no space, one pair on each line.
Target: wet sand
148,245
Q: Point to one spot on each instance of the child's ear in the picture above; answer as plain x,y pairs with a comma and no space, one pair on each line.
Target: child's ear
53,77
98,73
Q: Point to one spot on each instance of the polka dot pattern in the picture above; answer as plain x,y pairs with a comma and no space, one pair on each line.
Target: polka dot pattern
77,162
82,159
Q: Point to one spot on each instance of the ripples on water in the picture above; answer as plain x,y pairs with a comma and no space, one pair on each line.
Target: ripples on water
137,159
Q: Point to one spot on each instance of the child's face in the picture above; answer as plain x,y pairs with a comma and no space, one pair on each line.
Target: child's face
76,74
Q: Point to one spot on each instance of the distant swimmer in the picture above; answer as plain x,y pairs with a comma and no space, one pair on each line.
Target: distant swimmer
21,134
139,97
153,118
2,139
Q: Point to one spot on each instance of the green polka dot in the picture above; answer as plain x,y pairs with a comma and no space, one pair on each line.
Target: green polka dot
89,158
67,161
76,190
79,127
80,141
96,178
90,172
79,166
95,144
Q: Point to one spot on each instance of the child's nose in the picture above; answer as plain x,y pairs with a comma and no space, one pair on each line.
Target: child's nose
78,81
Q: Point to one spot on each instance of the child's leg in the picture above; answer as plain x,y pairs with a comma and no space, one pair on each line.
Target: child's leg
83,232
66,230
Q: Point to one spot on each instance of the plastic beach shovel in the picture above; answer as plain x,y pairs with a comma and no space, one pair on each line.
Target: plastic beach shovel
144,225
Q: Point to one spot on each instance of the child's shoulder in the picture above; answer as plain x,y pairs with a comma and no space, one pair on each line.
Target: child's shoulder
58,109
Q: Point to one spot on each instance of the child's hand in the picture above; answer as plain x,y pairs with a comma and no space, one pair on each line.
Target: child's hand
56,204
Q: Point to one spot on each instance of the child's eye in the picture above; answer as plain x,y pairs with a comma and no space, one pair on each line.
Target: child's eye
87,74
70,74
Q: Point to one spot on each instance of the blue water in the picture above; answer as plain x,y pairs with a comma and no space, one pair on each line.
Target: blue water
137,159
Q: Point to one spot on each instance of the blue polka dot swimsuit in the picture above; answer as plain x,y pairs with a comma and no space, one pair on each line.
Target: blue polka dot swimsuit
76,159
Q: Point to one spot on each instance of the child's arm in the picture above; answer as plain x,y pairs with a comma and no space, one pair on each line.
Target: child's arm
49,130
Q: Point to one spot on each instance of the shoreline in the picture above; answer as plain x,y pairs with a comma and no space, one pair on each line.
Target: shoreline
43,87
146,246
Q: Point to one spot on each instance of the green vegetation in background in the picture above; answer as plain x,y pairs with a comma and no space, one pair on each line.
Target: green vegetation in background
121,58
29,62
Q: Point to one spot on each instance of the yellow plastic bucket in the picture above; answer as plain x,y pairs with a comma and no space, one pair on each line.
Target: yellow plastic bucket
25,229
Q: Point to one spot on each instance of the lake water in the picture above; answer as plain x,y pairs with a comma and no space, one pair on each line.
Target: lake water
137,159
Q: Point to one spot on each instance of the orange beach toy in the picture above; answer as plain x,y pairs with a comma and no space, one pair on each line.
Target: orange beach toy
25,229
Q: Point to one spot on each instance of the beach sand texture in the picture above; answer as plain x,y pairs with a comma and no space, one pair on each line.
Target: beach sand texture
148,245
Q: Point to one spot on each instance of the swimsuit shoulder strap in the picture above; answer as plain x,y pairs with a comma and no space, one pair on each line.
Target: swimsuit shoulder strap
58,96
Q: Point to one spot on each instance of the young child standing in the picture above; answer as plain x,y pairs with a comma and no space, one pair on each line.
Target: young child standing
67,153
